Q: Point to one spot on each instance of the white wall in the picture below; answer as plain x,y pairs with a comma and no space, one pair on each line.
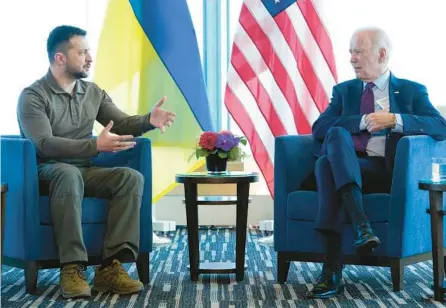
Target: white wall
25,25
416,29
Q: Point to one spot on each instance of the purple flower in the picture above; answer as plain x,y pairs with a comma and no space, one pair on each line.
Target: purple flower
226,142
236,141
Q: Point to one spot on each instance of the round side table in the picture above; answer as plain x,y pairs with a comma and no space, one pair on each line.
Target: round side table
190,181
436,190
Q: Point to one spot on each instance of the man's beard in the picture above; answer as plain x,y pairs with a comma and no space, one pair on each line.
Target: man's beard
80,75
76,75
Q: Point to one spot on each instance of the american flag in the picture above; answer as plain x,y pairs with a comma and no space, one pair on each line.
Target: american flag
281,74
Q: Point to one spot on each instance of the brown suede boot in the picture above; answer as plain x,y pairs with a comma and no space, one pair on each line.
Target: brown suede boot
72,282
115,279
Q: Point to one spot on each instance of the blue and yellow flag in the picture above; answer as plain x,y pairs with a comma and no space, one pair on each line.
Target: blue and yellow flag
147,50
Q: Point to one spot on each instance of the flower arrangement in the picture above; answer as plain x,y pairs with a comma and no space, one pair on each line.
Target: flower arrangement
224,143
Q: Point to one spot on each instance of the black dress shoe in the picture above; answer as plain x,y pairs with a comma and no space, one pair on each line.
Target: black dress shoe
366,241
328,285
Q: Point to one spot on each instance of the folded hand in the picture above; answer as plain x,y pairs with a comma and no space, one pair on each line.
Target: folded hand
379,120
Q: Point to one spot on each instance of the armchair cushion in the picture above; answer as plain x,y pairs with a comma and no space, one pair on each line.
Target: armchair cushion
303,205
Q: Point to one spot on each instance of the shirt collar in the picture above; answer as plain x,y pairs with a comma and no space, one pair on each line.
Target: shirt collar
381,82
54,85
78,88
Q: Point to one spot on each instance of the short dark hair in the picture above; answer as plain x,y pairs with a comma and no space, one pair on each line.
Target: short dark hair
59,38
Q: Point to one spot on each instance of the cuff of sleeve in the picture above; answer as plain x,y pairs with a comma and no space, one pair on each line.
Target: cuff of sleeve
93,146
146,126
399,124
362,125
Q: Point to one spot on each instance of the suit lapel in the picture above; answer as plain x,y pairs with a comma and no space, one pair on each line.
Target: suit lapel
394,94
393,138
354,96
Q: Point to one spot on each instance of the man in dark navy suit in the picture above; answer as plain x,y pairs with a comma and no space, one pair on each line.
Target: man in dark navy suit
359,131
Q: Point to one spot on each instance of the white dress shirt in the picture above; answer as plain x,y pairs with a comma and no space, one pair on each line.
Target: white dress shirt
377,143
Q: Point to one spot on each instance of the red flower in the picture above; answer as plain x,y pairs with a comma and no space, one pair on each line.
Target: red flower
208,140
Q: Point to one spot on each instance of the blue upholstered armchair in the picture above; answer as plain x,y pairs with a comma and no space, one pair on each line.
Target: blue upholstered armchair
399,219
29,241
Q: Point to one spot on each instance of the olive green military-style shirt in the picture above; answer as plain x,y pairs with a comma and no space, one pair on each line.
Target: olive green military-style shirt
60,124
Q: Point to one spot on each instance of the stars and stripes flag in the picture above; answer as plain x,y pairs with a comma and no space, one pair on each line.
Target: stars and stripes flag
281,73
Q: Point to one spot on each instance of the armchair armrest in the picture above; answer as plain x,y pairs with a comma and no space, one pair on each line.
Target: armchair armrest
140,159
409,224
19,171
293,161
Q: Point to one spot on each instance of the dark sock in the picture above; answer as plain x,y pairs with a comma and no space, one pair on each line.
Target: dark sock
124,255
106,262
333,247
351,196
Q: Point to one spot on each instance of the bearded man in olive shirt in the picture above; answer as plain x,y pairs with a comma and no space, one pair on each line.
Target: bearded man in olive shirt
57,114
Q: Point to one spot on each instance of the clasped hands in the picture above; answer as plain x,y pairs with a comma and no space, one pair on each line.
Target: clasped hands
379,120
108,142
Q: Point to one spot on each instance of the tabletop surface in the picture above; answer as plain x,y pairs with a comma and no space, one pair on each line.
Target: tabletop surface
229,177
231,174
432,185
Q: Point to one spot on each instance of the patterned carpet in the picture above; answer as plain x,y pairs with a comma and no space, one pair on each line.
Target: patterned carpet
170,285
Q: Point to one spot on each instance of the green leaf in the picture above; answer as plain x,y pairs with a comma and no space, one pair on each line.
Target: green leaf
222,154
243,141
233,154
202,153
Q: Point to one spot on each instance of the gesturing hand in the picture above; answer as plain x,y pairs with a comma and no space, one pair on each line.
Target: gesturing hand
108,142
160,117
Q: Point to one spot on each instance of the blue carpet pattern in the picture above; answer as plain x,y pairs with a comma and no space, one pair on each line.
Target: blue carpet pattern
170,284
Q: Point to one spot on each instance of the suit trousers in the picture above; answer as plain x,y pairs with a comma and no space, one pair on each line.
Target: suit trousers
340,165
66,185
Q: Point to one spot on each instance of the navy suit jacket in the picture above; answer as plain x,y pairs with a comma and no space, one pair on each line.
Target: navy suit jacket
408,98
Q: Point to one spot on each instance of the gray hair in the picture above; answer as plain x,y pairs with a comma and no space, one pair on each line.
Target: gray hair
379,39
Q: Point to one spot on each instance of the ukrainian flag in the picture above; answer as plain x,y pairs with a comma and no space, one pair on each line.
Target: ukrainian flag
148,49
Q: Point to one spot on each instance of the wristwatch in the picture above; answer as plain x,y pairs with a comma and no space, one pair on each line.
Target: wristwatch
395,122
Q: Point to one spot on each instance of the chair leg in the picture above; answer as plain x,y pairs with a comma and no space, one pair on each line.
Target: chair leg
143,265
283,267
31,272
397,273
